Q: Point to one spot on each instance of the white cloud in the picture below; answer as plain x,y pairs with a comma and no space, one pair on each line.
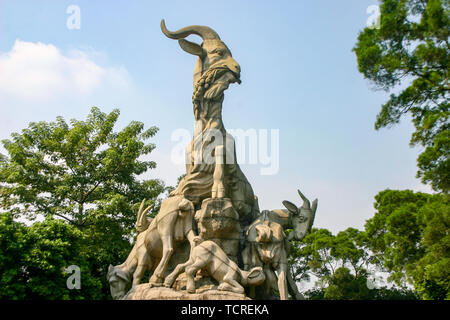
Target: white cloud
40,71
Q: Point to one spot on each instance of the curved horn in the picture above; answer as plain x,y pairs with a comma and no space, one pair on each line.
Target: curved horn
202,31
306,203
141,207
314,206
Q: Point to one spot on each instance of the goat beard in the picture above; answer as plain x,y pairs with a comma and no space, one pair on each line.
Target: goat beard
215,91
209,85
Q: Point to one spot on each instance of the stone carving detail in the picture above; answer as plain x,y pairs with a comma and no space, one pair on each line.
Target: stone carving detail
214,71
267,245
172,224
223,243
209,256
267,248
217,220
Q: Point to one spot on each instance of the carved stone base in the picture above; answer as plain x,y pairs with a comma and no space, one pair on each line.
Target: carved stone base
145,292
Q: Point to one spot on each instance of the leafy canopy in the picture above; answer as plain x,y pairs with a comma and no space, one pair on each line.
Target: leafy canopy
33,261
342,264
83,173
409,235
78,171
409,53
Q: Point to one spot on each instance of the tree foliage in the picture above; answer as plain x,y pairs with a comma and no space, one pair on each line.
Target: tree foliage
329,258
86,174
34,259
343,264
12,280
407,238
409,234
67,171
321,253
409,53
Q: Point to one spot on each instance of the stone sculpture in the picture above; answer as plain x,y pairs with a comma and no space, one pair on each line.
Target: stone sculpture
214,71
172,224
267,245
209,256
266,248
142,221
299,219
213,209
120,277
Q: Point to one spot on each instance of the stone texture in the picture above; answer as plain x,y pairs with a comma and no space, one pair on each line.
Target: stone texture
216,193
210,257
218,221
145,292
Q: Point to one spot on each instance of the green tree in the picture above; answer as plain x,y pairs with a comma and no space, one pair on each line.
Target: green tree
86,174
409,235
33,260
51,247
342,264
312,256
321,253
343,285
12,247
409,52
339,262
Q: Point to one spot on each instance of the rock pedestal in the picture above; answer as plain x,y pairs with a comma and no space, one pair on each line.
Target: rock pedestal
218,221
146,292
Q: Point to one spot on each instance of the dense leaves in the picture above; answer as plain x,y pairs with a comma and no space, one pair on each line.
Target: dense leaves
321,253
12,280
85,174
410,235
62,170
408,238
34,259
409,54
343,265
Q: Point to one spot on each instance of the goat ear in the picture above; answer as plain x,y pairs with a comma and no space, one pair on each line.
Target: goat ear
122,275
290,206
255,272
192,48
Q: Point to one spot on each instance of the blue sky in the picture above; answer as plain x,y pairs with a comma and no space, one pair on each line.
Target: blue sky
299,75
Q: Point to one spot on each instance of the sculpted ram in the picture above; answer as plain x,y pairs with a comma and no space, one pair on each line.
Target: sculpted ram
267,246
214,71
154,245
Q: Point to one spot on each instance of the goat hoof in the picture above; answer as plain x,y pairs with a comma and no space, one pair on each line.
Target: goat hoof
157,284
190,290
156,280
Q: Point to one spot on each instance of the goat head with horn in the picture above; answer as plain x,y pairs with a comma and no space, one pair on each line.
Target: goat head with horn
212,54
302,217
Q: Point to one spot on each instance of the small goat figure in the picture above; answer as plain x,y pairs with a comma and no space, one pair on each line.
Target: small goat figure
267,246
209,256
